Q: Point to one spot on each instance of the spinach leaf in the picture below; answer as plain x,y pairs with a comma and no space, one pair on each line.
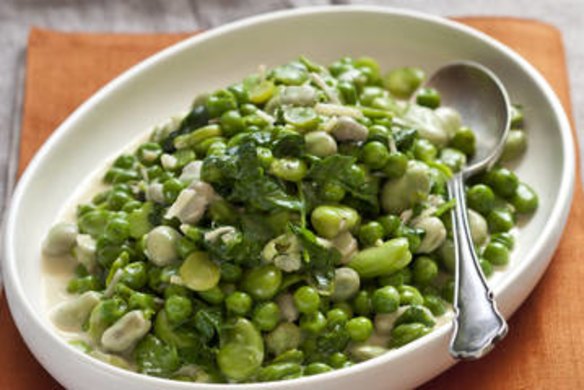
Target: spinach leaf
245,245
288,144
207,322
320,260
198,117
341,169
240,178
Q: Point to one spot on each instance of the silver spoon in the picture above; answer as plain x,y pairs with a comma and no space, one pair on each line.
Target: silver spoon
478,95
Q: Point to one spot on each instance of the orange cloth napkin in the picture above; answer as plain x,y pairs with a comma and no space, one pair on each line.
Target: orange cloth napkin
544,348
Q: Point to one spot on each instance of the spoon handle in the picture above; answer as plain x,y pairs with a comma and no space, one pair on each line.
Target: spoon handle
478,325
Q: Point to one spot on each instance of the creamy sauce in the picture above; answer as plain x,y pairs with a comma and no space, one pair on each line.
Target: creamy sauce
58,270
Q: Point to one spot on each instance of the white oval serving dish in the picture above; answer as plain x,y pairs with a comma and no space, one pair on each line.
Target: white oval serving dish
166,83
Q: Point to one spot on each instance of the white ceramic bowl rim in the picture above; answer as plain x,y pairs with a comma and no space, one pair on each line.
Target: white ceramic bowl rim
565,190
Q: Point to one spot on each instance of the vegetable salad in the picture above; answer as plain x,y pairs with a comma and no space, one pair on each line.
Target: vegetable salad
288,225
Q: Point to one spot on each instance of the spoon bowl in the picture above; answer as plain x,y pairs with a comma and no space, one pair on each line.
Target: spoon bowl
482,101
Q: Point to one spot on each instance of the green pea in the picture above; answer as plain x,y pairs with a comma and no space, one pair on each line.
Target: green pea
416,314
266,316
486,267
289,169
403,276
262,283
362,303
265,156
148,153
279,371
338,360
409,295
135,275
230,272
302,118
425,270
214,295
317,368
525,199
464,140
119,175
231,122
375,154
142,301
447,291
371,65
390,224
320,143
379,133
503,181
330,221
481,198
199,273
359,328
500,220
238,303
428,97
406,333
446,255
93,222
103,315
345,307
504,238
314,322
332,192
516,116
306,299
336,316
156,172
117,200
220,102
178,309
197,137
435,304
242,351
183,157
291,356
84,284
117,231
192,233
175,289
125,161
424,150
402,82
131,205
184,247
217,147
370,233
496,253
385,299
